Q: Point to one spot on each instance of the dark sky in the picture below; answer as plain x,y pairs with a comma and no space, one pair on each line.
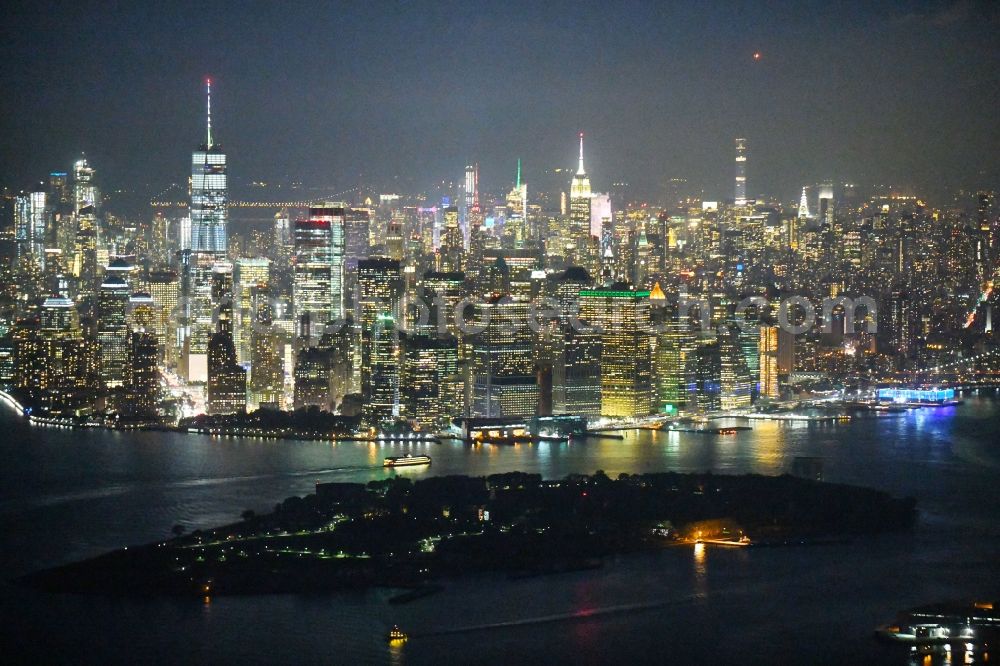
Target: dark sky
903,93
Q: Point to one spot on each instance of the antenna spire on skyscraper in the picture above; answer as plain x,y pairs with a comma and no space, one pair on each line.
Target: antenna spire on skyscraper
208,109
518,185
579,169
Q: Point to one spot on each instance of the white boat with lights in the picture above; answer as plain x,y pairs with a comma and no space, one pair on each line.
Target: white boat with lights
406,461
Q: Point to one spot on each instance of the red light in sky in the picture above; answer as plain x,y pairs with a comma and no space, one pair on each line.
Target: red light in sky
756,55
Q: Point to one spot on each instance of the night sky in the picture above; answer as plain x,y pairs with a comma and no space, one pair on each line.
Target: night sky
903,93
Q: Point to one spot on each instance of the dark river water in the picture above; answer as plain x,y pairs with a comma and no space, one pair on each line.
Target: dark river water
66,495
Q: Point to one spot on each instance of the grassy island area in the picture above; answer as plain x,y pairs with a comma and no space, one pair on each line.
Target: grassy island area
398,532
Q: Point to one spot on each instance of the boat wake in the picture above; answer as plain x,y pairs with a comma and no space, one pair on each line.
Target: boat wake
582,614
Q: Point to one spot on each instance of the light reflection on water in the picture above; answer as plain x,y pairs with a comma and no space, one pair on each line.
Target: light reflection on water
66,495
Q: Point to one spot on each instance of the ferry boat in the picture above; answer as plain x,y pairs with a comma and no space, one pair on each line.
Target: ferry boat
974,623
406,461
397,635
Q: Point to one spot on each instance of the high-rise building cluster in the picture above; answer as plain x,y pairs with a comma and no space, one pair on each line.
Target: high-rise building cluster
410,311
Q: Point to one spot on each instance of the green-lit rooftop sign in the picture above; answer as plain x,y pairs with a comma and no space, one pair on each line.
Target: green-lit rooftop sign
601,293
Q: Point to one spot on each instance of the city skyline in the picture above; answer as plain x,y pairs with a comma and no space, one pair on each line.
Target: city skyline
654,105
428,332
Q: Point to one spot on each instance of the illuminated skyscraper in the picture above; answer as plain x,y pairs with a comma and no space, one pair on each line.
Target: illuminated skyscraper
576,372
142,382
208,247
735,390
381,392
85,193
675,343
31,214
312,378
227,381
164,288
452,249
470,198
429,385
209,209
740,197
113,332
622,316
769,361
284,239
251,272
319,267
380,292
515,224
707,371
504,382
804,204
267,372
579,212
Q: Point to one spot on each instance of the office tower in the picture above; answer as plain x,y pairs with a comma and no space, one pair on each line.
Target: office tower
622,316
250,273
516,218
452,250
675,343
576,372
57,370
740,197
504,381
579,215
825,209
312,379
59,319
141,314
86,202
31,214
566,290
85,194
394,246
804,205
381,392
478,239
495,280
769,387
59,189
142,382
113,334
209,210
267,371
339,345
357,242
440,293
986,238
520,265
734,388
429,386
33,369
707,365
208,246
227,381
470,198
311,287
896,327
164,288
284,239
642,265
380,291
